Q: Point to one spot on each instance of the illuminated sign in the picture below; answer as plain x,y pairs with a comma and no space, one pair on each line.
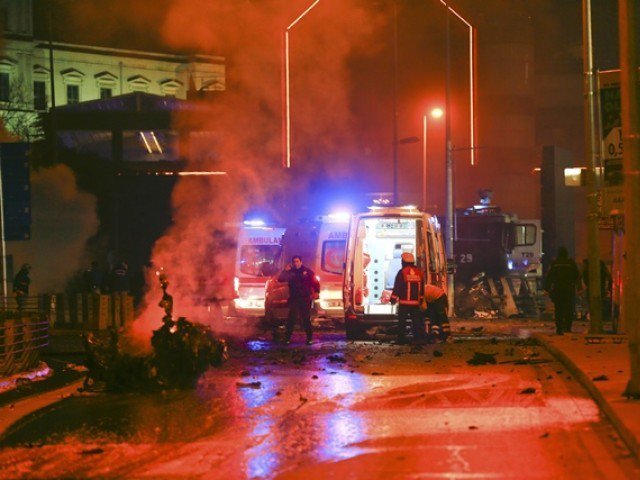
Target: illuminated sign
264,240
337,235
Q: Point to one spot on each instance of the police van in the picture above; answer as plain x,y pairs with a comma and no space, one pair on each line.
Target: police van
258,253
377,239
321,243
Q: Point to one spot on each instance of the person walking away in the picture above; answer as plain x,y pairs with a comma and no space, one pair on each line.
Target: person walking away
605,287
407,293
21,284
436,312
562,281
304,287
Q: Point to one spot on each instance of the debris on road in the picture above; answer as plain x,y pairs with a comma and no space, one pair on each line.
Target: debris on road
480,358
337,359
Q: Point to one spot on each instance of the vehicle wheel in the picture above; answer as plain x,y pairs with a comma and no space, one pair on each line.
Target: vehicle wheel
353,329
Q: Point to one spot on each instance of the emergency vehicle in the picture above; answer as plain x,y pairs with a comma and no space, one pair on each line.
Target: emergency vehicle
258,253
321,243
377,239
501,251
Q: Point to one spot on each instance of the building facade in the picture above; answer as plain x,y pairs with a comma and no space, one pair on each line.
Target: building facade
37,74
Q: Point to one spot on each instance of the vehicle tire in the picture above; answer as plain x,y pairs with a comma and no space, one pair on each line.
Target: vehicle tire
353,329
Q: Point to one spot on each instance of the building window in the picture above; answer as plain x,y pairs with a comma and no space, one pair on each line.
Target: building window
73,94
39,95
105,93
5,87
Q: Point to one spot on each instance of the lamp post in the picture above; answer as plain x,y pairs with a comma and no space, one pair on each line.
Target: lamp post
471,72
435,113
448,146
286,101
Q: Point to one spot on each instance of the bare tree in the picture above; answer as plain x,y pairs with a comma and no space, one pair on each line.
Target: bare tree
18,114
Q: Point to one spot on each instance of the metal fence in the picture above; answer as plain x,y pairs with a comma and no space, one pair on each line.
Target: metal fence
23,332
90,311
24,328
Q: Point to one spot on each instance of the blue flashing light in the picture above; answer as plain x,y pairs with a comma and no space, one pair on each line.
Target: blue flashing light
339,216
510,264
254,223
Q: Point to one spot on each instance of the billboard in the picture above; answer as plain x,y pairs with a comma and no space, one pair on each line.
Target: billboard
16,191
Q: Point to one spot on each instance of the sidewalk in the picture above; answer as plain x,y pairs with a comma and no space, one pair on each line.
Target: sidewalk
603,369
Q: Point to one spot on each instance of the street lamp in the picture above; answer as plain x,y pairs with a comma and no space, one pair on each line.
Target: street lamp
435,113
286,104
472,76
448,146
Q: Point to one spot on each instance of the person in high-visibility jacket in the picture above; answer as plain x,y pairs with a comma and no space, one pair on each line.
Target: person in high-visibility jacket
407,293
436,312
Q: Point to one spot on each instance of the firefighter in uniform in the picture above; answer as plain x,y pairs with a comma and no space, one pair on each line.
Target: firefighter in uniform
407,292
304,287
436,312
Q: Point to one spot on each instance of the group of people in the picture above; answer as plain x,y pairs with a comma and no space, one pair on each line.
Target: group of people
564,281
94,280
97,280
425,305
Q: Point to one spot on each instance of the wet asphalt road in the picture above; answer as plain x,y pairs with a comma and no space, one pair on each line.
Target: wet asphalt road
335,410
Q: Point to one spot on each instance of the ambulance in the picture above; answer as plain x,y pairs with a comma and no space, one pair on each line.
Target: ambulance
377,239
258,254
321,243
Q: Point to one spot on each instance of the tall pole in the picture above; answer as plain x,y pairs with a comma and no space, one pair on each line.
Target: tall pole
424,162
449,169
4,245
628,24
591,151
395,102
286,90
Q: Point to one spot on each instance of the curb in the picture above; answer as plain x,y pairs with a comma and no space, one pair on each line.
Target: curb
10,415
627,436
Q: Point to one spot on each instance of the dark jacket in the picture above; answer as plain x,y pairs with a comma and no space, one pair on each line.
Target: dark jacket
303,284
562,278
21,282
408,285
120,279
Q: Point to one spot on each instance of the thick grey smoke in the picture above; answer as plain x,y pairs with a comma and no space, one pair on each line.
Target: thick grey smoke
62,220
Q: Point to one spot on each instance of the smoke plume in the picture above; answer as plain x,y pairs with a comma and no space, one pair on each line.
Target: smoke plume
63,219
198,251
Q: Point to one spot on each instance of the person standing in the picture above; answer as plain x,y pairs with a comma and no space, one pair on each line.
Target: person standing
562,281
21,284
407,293
304,287
436,312
93,279
120,282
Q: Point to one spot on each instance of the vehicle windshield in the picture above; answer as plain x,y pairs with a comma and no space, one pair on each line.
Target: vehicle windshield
333,256
525,234
259,260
